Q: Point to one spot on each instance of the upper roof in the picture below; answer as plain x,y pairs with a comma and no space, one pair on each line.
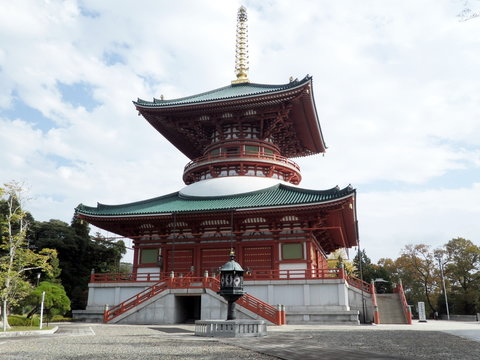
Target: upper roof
232,91
275,196
285,111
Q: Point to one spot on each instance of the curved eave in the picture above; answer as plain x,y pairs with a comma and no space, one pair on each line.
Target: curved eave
311,134
234,203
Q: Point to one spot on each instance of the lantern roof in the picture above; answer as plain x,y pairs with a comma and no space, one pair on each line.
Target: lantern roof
231,265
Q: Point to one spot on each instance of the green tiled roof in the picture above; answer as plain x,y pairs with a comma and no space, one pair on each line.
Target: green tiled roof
278,195
228,92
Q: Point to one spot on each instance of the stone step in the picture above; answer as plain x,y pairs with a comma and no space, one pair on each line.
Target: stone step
390,309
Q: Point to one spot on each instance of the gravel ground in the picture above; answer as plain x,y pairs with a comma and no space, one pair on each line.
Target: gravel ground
337,344
95,341
120,342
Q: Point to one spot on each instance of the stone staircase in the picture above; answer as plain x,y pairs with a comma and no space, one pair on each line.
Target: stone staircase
390,309
151,297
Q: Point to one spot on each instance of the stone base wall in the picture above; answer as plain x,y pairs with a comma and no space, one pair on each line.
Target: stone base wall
305,301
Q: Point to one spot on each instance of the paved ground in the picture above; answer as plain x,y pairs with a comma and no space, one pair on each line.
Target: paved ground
433,340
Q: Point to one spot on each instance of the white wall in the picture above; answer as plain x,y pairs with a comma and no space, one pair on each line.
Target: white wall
305,300
356,300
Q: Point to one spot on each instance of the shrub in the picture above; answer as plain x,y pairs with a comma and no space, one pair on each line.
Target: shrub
19,320
60,318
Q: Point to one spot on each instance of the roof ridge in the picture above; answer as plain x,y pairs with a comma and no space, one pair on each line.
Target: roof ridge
185,100
335,189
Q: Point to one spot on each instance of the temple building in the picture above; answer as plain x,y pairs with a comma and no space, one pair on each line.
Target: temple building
242,193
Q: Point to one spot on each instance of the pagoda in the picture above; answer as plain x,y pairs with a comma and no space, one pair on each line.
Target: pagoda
241,188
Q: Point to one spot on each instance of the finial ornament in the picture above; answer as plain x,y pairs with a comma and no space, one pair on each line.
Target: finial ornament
241,49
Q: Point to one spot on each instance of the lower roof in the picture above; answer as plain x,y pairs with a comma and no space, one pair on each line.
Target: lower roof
279,195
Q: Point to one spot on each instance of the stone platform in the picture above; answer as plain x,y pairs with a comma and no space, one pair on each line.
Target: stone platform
230,328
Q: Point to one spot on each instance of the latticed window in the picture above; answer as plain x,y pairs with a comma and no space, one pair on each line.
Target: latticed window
148,256
251,149
292,251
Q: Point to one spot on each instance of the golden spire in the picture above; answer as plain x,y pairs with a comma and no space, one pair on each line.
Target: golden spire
241,49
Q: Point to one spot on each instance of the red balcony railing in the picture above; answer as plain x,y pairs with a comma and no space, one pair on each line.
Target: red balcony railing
244,155
295,274
128,277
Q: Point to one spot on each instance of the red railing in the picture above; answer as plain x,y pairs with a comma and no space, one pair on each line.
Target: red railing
128,277
134,301
248,155
267,311
406,309
358,283
296,274
376,313
253,304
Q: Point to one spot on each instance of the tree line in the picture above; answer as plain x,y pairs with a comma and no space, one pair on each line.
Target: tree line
50,255
420,268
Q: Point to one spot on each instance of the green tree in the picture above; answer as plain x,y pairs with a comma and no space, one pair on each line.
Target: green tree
417,268
372,272
463,273
17,260
56,300
78,254
72,252
339,258
106,254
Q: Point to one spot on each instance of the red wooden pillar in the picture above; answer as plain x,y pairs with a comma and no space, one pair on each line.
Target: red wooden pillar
239,252
136,254
308,249
196,260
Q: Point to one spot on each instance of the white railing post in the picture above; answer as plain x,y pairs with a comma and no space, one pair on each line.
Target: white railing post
41,310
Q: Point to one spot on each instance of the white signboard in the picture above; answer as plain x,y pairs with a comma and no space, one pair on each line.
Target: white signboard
421,312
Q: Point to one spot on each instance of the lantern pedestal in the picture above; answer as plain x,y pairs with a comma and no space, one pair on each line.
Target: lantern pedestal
230,328
231,284
231,289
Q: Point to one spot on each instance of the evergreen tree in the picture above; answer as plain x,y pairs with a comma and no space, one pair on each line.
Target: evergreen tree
371,272
78,253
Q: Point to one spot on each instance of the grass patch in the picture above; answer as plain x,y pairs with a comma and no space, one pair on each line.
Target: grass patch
28,328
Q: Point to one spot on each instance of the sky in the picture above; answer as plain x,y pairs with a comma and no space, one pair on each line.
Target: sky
396,86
